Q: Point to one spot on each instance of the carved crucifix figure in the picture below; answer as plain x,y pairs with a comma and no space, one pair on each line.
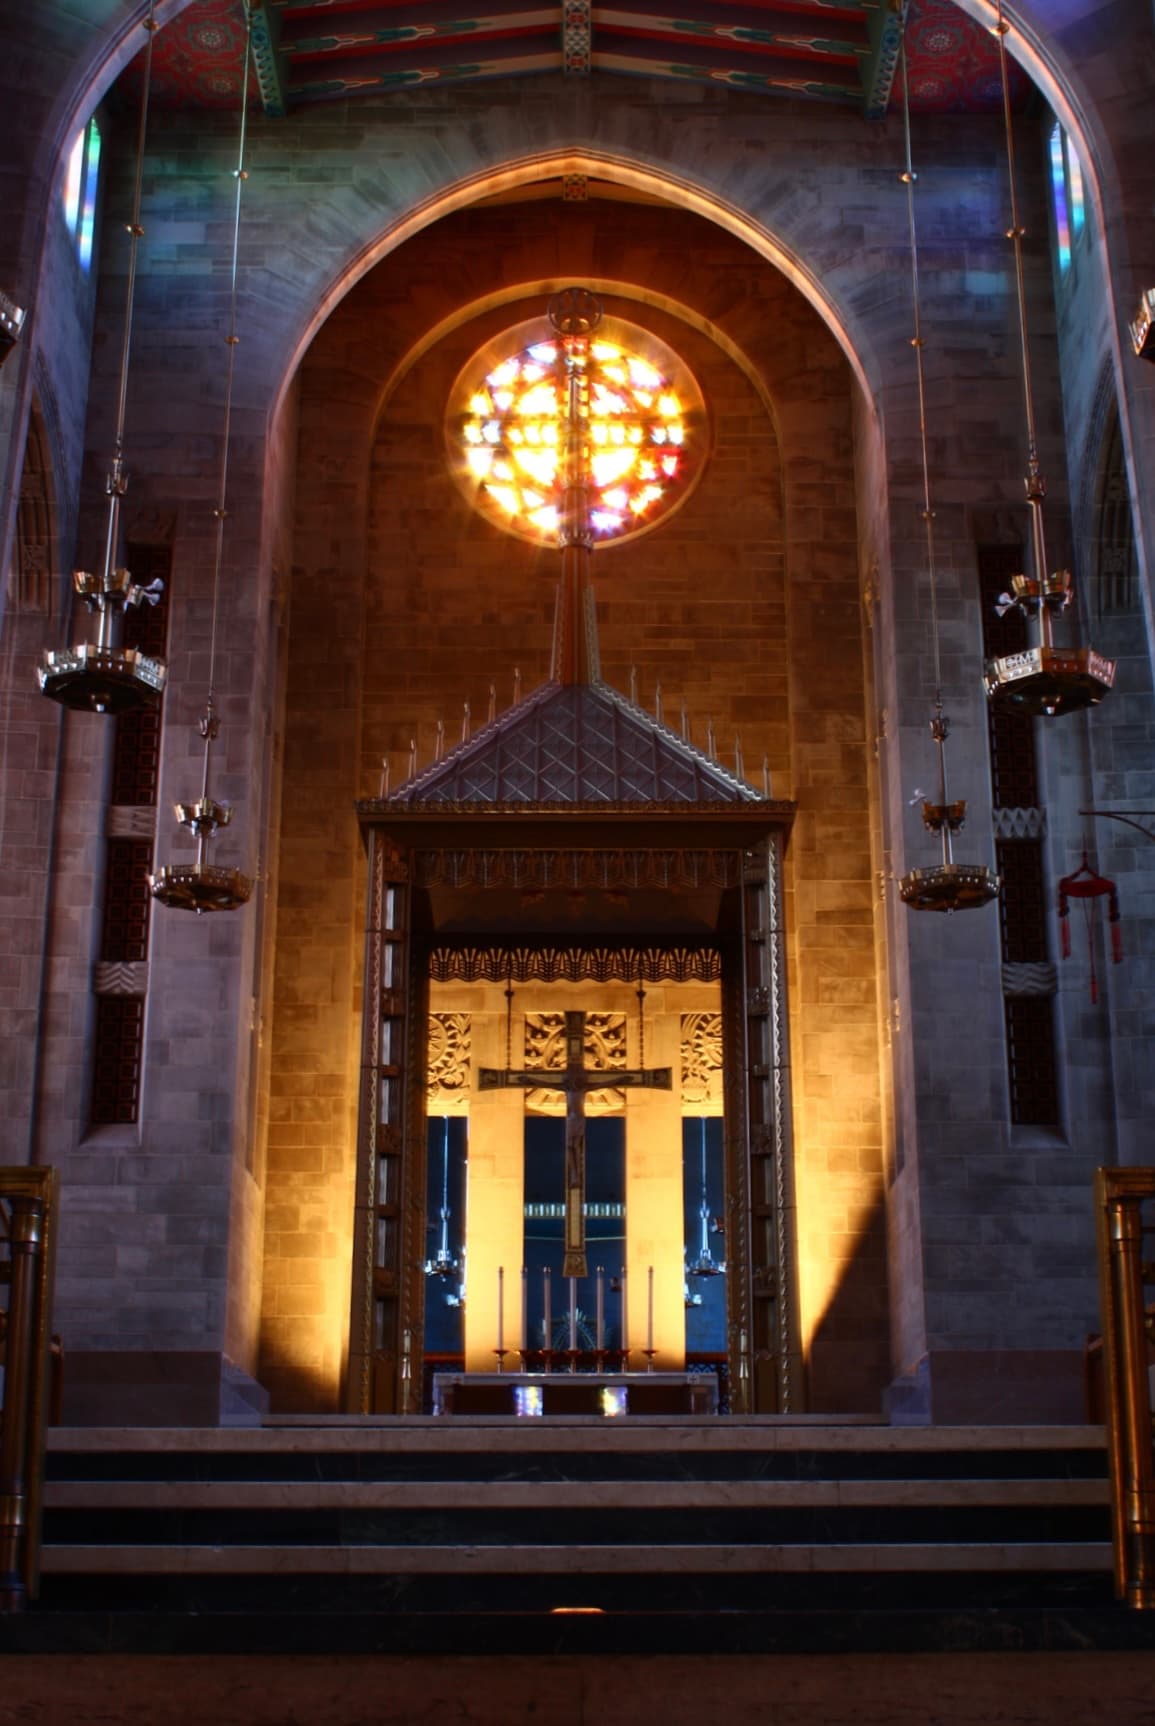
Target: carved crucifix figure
574,1080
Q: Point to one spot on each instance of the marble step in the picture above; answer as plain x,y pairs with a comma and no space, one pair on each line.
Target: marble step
1036,1557
768,1435
632,1495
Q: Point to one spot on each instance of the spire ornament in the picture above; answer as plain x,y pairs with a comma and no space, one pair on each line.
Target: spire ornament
203,885
102,676
1042,681
947,886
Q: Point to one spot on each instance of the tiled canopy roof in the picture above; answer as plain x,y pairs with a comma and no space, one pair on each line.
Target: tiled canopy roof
575,744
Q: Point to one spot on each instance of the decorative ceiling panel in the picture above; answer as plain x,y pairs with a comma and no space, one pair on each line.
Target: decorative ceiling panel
841,51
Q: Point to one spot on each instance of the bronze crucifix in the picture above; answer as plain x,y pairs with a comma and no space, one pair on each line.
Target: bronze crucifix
574,1079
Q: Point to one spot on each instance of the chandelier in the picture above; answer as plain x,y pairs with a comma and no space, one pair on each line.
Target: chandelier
103,676
1043,680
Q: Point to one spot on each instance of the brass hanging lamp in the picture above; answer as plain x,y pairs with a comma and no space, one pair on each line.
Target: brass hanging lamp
205,886
1044,680
946,886
102,676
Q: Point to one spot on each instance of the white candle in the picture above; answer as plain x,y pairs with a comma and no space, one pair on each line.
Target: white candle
601,1343
650,1314
573,1314
500,1309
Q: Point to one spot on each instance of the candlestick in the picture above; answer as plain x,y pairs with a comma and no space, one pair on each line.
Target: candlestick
547,1339
572,1316
601,1323
501,1309
625,1322
650,1313
524,1313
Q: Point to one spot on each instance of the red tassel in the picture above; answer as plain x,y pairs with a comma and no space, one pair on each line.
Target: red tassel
1065,932
1116,942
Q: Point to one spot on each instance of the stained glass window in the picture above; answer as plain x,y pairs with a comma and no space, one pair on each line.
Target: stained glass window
509,436
81,180
1067,194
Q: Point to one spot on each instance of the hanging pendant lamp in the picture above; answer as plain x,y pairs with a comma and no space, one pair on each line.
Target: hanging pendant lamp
101,676
1044,680
948,885
203,885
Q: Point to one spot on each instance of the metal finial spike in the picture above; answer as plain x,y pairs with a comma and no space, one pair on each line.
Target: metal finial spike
685,724
492,715
439,746
384,777
465,717
711,740
658,702
766,776
516,685
739,764
634,684
412,757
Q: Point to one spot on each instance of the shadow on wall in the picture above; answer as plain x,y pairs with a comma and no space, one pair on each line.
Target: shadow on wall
848,1354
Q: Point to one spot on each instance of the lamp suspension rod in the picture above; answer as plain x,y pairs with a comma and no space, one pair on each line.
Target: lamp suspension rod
117,482
939,726
209,724
1035,484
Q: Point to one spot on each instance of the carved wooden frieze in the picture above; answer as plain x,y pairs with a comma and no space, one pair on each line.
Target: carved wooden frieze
605,1049
702,1063
450,1056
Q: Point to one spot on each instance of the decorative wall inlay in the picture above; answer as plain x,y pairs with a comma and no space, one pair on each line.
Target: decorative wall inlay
128,822
1021,981
604,1049
1020,823
610,869
575,964
701,1060
30,581
450,1054
120,979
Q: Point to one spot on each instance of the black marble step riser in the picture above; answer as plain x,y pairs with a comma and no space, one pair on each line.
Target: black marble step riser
849,1526
335,1596
1049,1628
577,1465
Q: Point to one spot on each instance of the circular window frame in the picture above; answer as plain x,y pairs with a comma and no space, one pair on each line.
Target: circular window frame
512,341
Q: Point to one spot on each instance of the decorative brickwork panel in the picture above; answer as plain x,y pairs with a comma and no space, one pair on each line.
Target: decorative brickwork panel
701,1060
1014,770
116,1072
136,757
1031,1061
1022,903
450,1059
127,901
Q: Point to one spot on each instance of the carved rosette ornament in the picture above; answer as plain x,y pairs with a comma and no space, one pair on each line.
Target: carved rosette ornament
702,1063
450,1058
605,1050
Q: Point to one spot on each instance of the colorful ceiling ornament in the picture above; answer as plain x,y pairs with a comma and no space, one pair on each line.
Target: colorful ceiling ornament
829,50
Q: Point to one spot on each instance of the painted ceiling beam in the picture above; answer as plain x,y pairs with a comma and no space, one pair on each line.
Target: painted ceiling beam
351,41
364,83
702,29
739,77
267,59
886,27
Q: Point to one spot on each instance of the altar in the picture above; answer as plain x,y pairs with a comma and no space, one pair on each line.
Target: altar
527,1395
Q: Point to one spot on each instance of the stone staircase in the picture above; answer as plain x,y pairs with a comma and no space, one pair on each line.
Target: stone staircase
581,1535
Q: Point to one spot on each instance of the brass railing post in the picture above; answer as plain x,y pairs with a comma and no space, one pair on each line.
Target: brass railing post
29,1197
1120,1194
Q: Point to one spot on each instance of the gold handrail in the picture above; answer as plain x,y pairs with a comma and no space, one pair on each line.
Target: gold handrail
28,1210
1128,1328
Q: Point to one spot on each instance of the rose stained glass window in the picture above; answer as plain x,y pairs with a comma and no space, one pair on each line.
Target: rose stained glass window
509,435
